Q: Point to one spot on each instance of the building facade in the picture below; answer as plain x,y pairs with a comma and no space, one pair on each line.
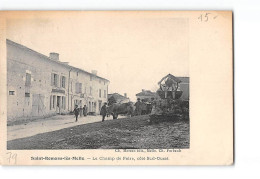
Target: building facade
41,86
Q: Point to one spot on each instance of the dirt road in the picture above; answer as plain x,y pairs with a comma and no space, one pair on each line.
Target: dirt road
128,133
49,124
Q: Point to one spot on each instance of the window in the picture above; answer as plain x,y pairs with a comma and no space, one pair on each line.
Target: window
11,93
78,87
27,94
100,93
63,81
99,81
105,93
54,79
28,79
90,78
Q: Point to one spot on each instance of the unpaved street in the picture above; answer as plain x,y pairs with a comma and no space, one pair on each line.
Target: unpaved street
49,124
129,133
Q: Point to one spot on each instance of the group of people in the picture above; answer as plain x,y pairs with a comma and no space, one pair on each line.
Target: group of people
79,111
140,108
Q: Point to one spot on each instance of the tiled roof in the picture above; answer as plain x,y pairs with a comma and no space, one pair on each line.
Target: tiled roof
145,93
117,96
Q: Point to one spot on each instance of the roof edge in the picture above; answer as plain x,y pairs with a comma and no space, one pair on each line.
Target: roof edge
44,56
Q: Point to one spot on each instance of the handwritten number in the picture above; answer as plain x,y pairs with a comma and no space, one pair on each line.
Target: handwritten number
206,17
11,157
200,17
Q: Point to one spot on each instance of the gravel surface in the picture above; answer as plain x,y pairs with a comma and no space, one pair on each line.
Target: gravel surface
128,133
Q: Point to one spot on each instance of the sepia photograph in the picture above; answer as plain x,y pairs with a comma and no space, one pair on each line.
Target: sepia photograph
97,81
116,88
132,89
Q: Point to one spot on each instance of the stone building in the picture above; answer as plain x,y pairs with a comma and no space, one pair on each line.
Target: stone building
40,86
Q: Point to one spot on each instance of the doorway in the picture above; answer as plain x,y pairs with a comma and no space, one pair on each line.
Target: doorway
38,107
58,104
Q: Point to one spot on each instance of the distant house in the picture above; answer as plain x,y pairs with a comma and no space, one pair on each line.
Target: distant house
146,95
118,98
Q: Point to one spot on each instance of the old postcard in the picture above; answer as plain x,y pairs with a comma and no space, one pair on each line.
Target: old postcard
116,88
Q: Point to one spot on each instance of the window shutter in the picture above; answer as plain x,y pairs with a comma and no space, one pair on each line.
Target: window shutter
50,102
52,79
80,87
64,81
58,81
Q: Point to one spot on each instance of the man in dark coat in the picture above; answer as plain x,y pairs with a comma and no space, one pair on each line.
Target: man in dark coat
103,111
76,112
138,106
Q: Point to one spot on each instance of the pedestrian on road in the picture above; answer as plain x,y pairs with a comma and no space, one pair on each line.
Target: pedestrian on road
76,112
138,106
103,111
85,110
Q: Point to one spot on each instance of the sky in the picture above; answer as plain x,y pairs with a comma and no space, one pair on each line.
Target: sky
132,51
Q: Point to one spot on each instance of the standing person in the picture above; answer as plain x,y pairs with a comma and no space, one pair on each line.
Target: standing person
76,112
103,111
138,106
143,107
85,110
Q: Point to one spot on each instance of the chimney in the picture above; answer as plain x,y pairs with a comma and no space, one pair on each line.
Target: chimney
94,72
143,90
125,94
54,56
